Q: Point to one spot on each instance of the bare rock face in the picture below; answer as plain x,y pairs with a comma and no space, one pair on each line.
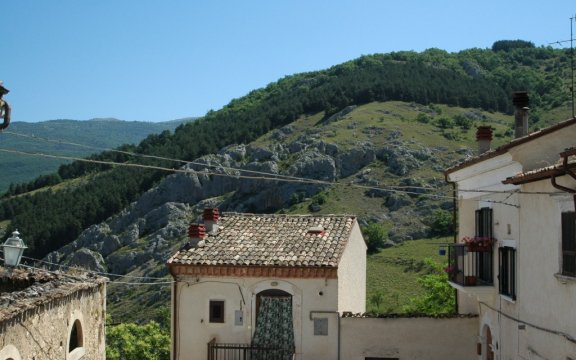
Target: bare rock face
315,165
86,259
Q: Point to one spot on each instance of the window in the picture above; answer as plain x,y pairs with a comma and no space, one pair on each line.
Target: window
507,262
484,260
216,311
569,244
75,336
484,222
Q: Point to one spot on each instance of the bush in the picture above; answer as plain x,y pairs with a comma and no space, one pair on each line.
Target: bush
439,298
441,223
375,236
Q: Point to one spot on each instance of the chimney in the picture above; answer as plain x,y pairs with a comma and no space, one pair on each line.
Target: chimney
211,217
197,234
483,138
521,101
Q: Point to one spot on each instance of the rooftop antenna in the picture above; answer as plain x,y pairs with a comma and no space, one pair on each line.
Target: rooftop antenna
571,40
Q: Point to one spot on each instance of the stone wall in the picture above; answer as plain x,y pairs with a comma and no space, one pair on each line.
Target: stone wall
408,338
44,332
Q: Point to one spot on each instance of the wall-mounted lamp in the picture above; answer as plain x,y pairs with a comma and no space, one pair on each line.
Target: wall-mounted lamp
13,248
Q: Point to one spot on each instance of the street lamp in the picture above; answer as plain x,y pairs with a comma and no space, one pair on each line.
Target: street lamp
13,249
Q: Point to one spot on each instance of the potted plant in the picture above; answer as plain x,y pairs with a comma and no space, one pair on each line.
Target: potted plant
478,243
470,280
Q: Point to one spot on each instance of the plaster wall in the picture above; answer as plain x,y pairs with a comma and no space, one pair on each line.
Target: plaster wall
352,274
311,298
43,333
409,338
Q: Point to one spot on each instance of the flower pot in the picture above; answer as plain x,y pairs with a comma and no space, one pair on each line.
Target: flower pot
470,280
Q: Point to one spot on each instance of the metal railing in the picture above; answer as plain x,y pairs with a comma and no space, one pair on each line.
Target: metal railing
470,268
217,351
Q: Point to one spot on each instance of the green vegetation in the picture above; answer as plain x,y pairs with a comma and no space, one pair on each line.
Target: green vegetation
375,235
438,298
21,172
408,277
129,341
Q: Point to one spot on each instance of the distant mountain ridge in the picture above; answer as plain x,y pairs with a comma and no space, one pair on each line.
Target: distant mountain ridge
99,133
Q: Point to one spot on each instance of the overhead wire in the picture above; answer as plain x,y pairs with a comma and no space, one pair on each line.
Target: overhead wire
266,176
269,177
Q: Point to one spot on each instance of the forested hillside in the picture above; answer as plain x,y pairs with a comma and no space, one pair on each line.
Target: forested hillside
475,78
95,134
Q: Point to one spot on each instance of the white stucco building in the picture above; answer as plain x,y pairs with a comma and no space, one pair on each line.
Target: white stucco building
523,285
270,281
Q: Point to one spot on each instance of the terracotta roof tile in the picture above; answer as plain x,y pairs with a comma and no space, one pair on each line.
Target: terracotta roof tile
272,240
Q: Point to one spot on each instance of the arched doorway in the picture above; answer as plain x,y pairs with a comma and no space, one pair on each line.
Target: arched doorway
489,351
274,324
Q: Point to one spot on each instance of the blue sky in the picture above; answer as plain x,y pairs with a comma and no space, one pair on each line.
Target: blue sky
153,60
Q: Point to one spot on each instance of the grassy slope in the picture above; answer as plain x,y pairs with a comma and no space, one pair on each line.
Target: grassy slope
394,272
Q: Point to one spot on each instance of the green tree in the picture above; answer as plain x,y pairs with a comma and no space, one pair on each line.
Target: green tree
439,298
441,223
375,235
137,342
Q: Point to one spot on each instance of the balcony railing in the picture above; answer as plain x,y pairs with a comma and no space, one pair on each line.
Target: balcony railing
469,268
217,351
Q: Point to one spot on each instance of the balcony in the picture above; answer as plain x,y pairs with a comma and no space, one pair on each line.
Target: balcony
217,351
471,271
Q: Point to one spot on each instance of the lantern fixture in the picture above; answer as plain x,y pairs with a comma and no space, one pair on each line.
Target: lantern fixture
13,248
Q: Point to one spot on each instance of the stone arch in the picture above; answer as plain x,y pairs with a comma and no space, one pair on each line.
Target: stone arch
76,337
10,352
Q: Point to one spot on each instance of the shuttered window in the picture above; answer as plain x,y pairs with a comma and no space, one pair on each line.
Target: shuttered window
569,244
484,222
484,259
507,262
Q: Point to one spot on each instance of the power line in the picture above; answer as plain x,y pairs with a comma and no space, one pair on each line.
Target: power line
269,177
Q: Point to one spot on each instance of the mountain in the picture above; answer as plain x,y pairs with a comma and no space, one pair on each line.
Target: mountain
94,135
378,129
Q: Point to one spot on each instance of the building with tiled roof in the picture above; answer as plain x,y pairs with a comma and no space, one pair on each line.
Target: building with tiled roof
50,315
267,281
515,260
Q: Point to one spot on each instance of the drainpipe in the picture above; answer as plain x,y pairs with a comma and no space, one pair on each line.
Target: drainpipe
329,312
174,316
455,230
567,170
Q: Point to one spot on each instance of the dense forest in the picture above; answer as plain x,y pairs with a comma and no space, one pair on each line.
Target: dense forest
475,78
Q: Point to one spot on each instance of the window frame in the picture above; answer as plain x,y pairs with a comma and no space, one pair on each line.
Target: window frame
507,275
212,306
568,244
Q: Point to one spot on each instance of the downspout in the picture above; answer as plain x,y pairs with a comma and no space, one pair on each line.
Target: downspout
329,312
568,171
455,229
174,315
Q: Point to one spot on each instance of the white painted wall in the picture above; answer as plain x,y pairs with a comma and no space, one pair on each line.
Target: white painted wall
352,274
409,338
194,330
539,322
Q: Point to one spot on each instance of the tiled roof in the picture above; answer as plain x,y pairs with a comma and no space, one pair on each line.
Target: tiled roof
540,174
504,148
272,240
23,290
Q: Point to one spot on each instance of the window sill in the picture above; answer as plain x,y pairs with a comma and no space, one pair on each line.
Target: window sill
76,354
508,298
564,279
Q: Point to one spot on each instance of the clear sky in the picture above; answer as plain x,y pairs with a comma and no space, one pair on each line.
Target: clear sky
154,60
